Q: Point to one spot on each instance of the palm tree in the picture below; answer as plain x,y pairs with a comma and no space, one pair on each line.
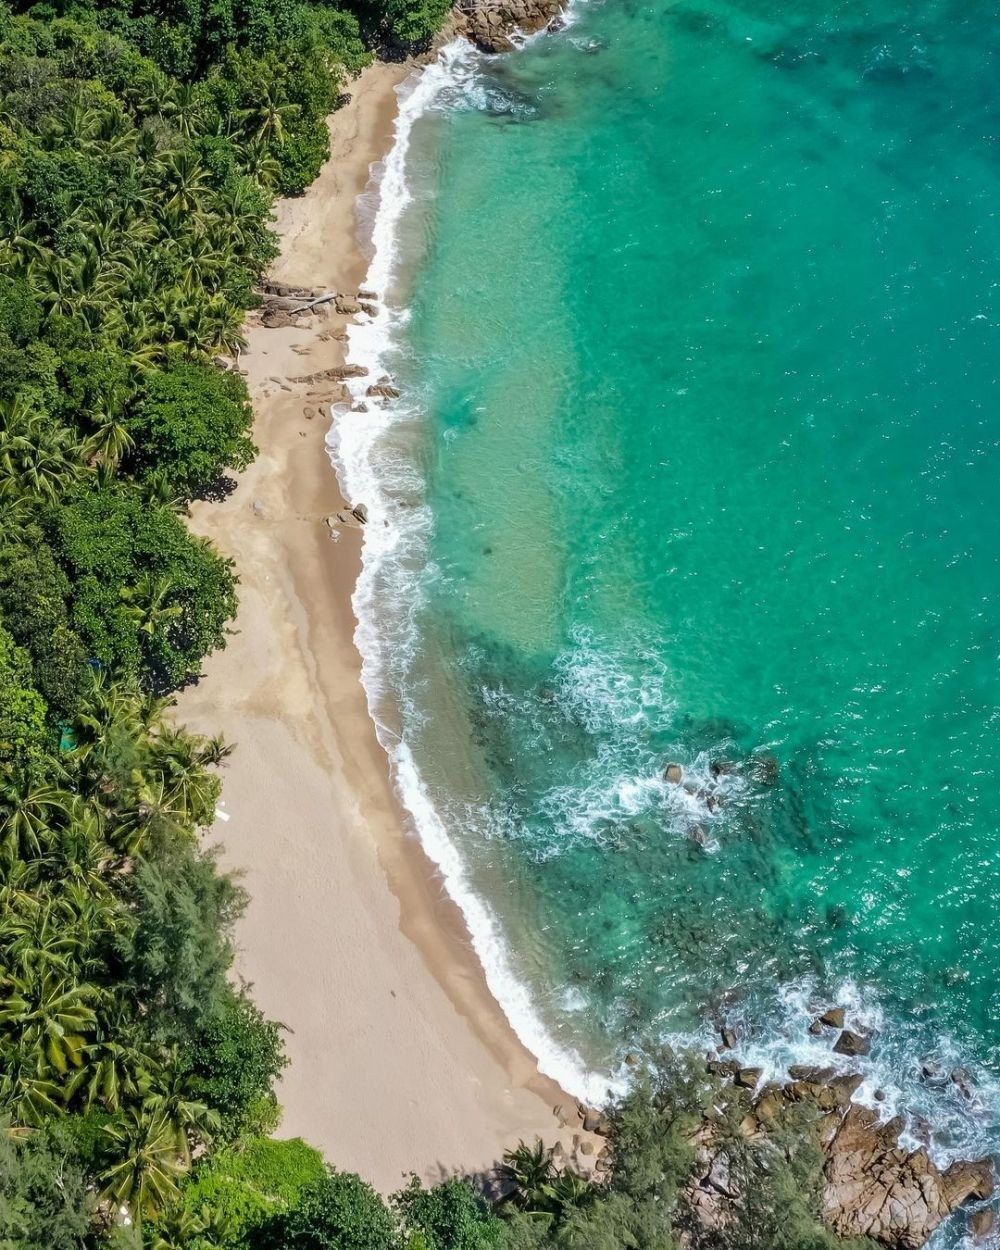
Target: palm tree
268,118
146,1174
37,456
171,1095
527,1172
148,605
28,808
49,1014
185,179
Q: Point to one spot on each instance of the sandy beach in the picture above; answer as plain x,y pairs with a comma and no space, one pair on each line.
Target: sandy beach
399,1058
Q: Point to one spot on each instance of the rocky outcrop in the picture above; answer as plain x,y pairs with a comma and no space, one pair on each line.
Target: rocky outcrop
872,1186
493,25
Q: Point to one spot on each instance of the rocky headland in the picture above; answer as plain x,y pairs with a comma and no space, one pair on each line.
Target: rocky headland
493,25
872,1185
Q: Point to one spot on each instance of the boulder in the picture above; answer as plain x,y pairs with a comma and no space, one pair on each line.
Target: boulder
834,1018
852,1044
493,24
367,295
382,390
809,1072
346,307
982,1223
674,773
728,1035
360,513
595,1122
748,1078
722,768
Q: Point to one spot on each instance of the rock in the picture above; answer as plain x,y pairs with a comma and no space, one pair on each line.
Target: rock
764,768
809,1072
222,362
595,1122
309,413
346,307
931,1070
360,513
674,773
852,1044
382,390
729,1038
367,295
369,309
258,507
982,1223
587,1148
834,1018
722,768
493,24
748,1077
815,1028
960,1079
632,1060
722,1067
276,319
698,834
879,1095
337,374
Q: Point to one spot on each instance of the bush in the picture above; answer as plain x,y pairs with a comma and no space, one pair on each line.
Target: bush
246,1186
451,1216
339,1212
189,424
236,1058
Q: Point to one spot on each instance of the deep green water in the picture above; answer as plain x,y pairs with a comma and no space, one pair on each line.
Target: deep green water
703,352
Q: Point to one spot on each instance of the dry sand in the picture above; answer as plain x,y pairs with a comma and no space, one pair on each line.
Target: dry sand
400,1059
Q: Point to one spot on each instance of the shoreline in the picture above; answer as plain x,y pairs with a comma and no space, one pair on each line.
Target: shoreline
349,938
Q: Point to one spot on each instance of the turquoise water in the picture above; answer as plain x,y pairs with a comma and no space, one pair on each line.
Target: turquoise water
703,352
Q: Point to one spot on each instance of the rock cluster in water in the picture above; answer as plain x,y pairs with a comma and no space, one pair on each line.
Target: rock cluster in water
492,25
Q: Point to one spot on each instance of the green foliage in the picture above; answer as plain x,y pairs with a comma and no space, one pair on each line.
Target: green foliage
339,1211
176,955
45,1203
245,1187
414,21
235,1059
451,1216
22,709
188,424
147,599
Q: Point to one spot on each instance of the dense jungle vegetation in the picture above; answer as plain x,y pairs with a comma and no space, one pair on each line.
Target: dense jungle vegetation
142,143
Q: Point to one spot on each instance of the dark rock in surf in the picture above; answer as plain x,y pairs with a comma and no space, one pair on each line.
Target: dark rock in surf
834,1018
674,773
852,1044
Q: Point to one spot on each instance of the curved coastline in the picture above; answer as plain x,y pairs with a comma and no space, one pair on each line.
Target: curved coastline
400,1059
357,441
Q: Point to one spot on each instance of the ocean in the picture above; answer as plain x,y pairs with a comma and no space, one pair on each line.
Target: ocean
692,308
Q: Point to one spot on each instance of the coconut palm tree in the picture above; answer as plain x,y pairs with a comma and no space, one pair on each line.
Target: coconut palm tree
37,456
148,1168
28,808
527,1172
49,1014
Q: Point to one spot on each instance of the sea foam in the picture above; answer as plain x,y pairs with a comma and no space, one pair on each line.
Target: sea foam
364,446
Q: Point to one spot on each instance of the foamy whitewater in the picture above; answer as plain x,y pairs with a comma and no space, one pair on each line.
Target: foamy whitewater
693,463
371,469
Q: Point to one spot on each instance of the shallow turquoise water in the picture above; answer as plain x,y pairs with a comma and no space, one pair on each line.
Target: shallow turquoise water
704,336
